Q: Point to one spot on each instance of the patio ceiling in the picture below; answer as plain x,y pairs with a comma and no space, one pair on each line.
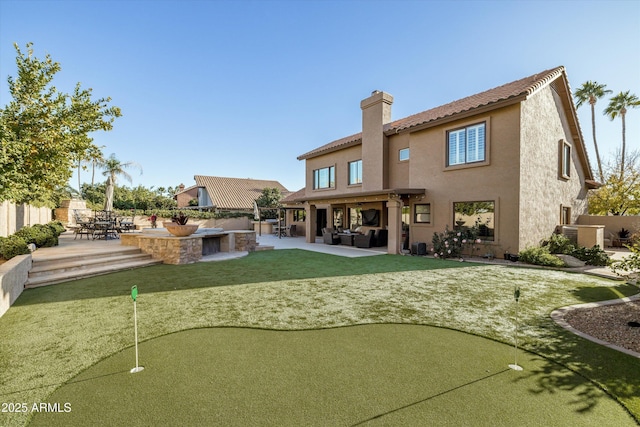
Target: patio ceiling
360,197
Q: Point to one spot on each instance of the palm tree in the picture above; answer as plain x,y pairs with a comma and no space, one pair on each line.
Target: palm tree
591,92
112,169
91,156
95,158
618,107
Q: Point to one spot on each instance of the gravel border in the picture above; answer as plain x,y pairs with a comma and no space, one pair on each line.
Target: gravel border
605,323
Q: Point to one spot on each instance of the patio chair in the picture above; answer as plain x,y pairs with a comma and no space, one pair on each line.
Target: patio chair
125,224
381,237
330,238
292,231
364,240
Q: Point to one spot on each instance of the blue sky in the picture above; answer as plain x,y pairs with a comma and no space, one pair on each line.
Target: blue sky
241,88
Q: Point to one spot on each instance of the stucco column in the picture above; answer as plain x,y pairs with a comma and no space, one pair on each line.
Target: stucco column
310,224
394,209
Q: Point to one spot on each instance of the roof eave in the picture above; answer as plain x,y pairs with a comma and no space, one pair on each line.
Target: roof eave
458,115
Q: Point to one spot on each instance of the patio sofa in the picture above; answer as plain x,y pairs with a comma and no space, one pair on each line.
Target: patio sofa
330,237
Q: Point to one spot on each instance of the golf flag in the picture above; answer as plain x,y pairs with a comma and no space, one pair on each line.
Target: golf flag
134,296
515,366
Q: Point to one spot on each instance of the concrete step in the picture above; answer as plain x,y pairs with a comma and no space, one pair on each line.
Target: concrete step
73,264
43,262
89,271
264,248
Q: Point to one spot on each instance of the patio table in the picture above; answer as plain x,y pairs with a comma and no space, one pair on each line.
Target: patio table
347,238
105,230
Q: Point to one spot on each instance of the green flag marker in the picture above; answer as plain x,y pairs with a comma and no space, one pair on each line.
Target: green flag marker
134,295
515,366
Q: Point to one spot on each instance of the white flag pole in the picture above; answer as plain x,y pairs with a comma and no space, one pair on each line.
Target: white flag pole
134,296
515,366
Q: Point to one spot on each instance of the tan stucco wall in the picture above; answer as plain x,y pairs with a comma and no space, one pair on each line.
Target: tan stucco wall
520,174
612,224
496,180
339,159
543,191
398,171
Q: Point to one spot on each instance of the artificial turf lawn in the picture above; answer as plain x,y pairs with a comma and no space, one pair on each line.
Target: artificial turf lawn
358,375
53,333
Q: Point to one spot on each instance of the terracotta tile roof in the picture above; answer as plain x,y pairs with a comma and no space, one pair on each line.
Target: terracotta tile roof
511,91
235,193
294,197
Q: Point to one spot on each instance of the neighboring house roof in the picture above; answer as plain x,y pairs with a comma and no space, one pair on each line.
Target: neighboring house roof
516,91
184,190
235,193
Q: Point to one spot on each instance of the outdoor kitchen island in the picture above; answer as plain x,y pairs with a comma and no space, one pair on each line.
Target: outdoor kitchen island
160,244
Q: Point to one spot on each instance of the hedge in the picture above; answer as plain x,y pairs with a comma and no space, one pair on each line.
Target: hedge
41,235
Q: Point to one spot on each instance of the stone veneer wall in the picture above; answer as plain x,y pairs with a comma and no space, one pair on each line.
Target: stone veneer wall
172,250
245,241
187,250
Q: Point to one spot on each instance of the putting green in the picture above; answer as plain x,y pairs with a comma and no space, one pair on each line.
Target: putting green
358,375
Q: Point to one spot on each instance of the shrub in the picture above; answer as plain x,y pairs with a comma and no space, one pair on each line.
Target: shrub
12,246
57,227
593,256
192,213
559,244
540,256
629,266
39,235
451,243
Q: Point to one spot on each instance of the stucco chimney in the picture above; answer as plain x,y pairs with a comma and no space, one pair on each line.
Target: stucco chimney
376,112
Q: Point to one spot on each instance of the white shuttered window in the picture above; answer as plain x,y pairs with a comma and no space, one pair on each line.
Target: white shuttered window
466,145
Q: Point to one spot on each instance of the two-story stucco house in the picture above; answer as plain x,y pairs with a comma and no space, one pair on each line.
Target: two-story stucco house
511,158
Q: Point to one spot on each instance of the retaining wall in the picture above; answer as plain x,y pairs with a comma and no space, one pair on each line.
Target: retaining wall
13,276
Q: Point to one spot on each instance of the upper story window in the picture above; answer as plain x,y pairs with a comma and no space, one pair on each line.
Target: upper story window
324,178
403,154
565,159
466,145
355,172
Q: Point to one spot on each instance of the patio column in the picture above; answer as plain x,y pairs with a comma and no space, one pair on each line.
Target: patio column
394,209
310,223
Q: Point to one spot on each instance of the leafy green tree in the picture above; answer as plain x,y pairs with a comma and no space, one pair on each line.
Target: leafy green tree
42,131
270,198
591,92
620,192
618,106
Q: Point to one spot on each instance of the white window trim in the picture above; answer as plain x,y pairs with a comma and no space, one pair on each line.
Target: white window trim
565,159
487,143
